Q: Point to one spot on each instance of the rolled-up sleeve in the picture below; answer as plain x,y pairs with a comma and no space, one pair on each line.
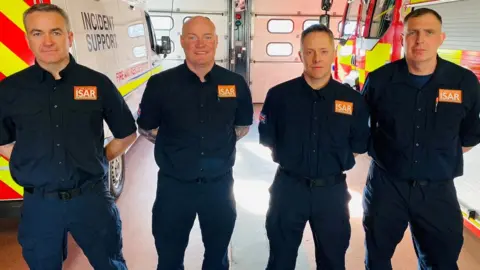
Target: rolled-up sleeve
470,127
118,116
360,131
244,112
149,116
267,121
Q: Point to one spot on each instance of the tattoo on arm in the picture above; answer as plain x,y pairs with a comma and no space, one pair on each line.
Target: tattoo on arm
150,135
241,131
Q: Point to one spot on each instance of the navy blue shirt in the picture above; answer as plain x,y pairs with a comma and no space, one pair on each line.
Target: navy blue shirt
195,120
314,133
418,132
57,125
419,80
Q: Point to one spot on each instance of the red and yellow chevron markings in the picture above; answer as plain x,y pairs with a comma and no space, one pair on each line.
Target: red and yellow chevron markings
15,56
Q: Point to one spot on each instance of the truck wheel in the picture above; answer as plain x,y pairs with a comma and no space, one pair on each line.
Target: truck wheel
116,176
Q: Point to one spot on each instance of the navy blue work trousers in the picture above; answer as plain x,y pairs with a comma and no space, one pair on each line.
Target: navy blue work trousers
431,209
176,206
293,202
92,219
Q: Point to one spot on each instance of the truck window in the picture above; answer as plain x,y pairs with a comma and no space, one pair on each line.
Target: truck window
279,49
382,17
363,18
136,30
280,26
308,23
348,27
162,22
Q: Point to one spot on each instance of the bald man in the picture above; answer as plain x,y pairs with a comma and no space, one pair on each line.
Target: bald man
194,114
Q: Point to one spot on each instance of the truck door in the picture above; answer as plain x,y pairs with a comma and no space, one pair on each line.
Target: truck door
375,42
168,18
276,28
348,28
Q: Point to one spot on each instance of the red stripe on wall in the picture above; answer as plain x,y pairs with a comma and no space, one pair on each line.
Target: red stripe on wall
7,193
471,227
15,40
471,60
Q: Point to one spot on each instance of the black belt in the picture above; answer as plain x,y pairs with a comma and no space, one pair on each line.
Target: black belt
415,183
317,182
64,195
199,180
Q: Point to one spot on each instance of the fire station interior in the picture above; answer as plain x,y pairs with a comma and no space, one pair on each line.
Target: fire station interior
253,173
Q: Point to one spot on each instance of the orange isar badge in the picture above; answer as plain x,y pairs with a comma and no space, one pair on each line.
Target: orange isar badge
343,107
227,91
450,95
85,92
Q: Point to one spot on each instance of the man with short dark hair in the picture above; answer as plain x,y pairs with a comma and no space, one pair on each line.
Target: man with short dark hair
315,126
53,135
424,115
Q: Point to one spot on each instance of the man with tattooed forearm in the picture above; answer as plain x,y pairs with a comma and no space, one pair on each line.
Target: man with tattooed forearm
195,113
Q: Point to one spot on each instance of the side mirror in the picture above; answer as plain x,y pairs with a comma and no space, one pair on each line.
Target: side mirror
165,47
325,20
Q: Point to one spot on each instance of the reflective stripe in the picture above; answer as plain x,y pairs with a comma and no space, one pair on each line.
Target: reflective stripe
14,9
14,65
3,162
132,85
454,56
378,57
471,224
6,178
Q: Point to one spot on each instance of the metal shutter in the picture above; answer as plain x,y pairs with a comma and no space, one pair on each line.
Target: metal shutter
461,23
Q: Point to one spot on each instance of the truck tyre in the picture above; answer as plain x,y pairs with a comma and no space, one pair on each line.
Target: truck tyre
116,176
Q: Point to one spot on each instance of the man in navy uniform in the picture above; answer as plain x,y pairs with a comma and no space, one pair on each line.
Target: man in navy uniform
425,115
315,126
51,129
195,113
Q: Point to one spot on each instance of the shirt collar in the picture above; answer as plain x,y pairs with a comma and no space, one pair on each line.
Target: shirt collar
401,74
308,87
43,74
193,77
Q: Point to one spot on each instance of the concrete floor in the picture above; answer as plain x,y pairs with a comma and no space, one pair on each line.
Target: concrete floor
253,173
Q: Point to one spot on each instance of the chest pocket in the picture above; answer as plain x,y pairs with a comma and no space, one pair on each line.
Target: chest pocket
31,118
32,131
339,128
447,119
84,118
223,111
